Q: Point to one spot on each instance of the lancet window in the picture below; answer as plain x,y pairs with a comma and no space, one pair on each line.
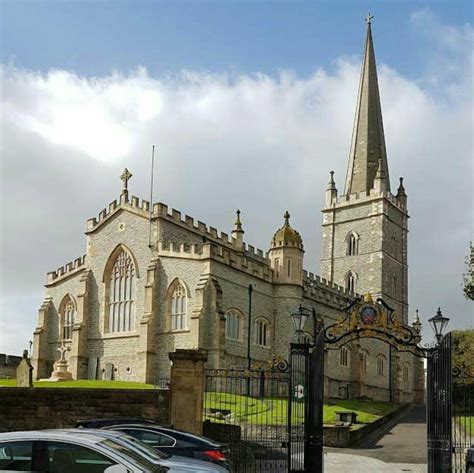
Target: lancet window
380,365
262,333
178,307
350,282
67,313
233,325
344,356
122,294
352,244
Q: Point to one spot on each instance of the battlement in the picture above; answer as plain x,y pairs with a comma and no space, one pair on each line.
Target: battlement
362,197
142,206
66,270
211,233
220,253
326,291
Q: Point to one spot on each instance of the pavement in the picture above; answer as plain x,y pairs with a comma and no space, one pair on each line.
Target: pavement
400,449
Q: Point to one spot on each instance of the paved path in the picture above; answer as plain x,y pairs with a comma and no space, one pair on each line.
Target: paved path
405,442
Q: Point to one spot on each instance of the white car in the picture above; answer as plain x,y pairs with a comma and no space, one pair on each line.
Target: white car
57,451
175,463
88,451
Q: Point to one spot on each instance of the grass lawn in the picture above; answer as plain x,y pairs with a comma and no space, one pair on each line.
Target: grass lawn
466,424
82,383
274,410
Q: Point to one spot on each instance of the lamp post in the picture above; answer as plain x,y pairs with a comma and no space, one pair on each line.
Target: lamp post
300,317
438,324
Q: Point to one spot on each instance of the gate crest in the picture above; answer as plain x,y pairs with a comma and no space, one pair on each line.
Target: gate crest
365,318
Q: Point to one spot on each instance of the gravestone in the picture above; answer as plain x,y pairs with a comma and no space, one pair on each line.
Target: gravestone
24,372
109,372
92,368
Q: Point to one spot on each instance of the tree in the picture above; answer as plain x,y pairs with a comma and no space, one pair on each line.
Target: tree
468,284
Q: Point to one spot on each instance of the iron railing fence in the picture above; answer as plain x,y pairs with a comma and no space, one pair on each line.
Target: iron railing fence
248,409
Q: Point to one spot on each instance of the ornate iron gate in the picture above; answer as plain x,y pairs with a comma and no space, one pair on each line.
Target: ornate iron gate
249,409
450,409
438,407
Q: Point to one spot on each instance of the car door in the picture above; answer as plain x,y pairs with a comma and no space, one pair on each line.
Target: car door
62,457
16,456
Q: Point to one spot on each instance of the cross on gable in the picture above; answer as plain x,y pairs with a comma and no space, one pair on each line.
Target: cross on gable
125,176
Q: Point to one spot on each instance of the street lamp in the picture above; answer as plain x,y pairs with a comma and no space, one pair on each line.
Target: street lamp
301,316
438,324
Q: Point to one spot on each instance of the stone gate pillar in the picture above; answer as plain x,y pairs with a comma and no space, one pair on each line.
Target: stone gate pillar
187,389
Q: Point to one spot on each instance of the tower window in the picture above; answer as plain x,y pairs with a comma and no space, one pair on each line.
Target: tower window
406,372
277,268
289,267
380,365
344,356
352,244
350,282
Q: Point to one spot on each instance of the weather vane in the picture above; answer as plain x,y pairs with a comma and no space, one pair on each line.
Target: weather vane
368,18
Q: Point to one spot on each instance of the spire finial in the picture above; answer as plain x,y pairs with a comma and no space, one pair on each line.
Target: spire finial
368,18
125,177
287,218
237,224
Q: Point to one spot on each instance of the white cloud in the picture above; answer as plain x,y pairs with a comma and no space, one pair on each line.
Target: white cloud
253,142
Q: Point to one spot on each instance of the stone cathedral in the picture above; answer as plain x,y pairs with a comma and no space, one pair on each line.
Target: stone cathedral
153,281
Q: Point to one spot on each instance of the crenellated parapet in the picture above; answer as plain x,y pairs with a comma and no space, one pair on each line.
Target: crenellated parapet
218,253
142,207
363,197
66,271
326,291
161,210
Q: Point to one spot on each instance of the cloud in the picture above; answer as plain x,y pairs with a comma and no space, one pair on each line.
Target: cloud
259,143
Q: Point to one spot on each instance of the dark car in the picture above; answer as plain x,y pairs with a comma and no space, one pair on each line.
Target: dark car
470,459
165,439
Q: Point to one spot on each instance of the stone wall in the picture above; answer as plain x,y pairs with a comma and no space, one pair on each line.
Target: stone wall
43,408
8,364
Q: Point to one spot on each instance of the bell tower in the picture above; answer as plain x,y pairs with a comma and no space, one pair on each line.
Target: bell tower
365,229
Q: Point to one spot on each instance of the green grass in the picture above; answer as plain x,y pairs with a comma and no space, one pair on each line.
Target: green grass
81,383
246,409
466,424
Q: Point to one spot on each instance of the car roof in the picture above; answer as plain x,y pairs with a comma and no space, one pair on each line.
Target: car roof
165,430
88,436
115,420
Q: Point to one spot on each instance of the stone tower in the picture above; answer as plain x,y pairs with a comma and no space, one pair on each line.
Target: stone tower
286,255
365,229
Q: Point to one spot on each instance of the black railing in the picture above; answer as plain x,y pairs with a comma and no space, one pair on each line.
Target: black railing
247,409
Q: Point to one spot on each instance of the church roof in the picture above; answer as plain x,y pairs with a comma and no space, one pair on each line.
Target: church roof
287,235
368,142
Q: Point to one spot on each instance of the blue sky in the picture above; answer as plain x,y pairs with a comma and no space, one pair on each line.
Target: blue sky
94,38
250,105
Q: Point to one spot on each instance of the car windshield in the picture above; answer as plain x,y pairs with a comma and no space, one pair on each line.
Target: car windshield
134,457
155,455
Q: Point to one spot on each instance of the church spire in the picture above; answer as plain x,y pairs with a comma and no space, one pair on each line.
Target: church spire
368,142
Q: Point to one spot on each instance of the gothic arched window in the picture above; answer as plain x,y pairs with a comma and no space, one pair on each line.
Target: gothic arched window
178,317
233,324
406,372
344,356
352,244
67,316
350,282
262,333
380,365
364,357
121,293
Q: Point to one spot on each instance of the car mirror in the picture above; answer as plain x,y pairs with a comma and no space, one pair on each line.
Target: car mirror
116,469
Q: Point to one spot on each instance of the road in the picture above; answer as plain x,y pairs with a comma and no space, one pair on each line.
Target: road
401,449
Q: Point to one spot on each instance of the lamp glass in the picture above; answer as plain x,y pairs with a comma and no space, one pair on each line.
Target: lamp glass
299,319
